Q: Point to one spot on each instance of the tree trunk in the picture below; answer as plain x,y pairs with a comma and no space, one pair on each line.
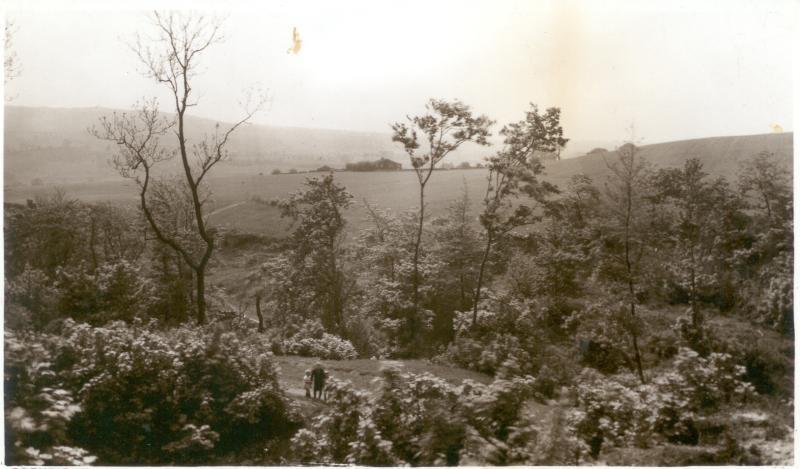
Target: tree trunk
258,313
697,319
631,289
635,340
92,242
462,288
201,296
416,280
479,282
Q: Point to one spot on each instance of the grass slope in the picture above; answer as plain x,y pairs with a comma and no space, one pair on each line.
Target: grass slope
397,190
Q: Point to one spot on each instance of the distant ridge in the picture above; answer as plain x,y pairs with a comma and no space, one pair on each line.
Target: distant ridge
52,145
720,156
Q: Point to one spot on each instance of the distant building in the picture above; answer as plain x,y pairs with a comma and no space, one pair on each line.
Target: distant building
383,164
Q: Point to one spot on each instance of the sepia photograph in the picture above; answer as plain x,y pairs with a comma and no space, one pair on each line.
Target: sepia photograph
383,233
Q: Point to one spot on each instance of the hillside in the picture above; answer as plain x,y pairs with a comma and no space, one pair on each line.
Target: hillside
234,187
720,155
53,144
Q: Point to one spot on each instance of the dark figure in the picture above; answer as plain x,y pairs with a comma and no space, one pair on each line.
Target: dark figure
318,378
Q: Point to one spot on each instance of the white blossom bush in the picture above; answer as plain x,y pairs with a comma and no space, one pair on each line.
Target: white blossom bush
707,383
181,396
776,307
38,410
329,347
505,342
618,411
311,340
421,420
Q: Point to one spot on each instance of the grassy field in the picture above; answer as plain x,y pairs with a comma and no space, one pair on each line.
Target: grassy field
395,190
398,190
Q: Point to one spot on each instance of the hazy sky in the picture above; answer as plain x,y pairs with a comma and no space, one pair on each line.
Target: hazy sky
675,69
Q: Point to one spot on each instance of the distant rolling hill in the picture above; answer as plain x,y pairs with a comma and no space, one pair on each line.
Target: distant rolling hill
234,191
721,156
52,144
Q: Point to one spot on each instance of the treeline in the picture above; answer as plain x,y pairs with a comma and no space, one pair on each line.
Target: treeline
383,164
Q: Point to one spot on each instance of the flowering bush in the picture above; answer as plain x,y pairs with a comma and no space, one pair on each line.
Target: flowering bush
329,347
706,383
620,412
421,420
777,304
184,396
612,412
37,412
505,342
311,340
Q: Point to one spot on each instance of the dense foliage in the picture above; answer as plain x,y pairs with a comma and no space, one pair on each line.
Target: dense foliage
182,396
423,420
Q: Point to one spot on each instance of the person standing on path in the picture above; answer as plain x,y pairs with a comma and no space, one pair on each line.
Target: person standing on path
307,382
318,378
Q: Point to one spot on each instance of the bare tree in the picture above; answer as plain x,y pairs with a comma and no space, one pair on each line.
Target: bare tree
444,128
172,58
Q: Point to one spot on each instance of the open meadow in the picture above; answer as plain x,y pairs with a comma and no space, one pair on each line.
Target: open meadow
234,195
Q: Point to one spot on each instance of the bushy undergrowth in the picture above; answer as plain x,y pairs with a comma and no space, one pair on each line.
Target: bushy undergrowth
311,340
507,342
494,342
618,411
423,420
112,291
137,395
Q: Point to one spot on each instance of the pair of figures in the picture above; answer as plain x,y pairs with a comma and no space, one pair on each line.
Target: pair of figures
315,378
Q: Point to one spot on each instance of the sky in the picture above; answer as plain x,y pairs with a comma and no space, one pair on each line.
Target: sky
643,70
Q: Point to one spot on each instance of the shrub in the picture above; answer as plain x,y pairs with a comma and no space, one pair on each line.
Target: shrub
504,343
311,340
619,412
776,308
37,410
185,396
421,420
329,347
114,291
33,291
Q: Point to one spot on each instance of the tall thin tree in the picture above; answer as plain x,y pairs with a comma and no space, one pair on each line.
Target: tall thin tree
445,127
171,58
625,192
512,171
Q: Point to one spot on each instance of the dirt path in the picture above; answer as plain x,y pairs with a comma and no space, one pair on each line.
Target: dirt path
222,209
361,373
